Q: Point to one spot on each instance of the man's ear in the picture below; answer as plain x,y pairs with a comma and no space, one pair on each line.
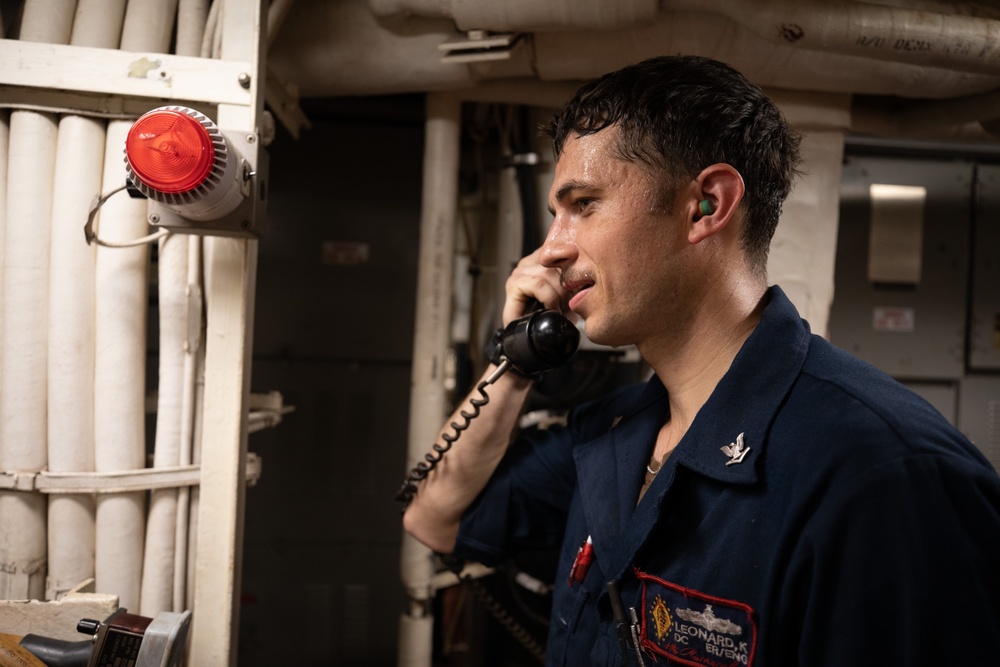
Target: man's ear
715,196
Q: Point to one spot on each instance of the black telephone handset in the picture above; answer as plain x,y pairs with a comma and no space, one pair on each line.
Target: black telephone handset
530,345
538,342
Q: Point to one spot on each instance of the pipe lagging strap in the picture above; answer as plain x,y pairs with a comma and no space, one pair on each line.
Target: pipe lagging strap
124,481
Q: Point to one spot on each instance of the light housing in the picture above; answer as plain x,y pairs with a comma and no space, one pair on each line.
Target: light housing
202,178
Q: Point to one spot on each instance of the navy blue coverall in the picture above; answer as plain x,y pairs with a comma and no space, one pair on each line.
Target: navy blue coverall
816,513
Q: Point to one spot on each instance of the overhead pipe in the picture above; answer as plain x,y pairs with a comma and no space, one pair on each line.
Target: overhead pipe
524,15
30,170
79,165
333,48
326,46
428,401
586,55
947,119
893,34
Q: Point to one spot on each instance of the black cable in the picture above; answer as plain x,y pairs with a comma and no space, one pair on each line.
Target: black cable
513,587
502,616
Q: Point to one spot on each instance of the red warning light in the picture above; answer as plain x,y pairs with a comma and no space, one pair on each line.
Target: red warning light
190,170
169,151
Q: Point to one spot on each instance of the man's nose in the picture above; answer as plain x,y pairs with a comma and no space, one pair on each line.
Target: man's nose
559,247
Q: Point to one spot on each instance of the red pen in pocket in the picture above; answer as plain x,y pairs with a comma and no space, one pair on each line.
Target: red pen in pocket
581,564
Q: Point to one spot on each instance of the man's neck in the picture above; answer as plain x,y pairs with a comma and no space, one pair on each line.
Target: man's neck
690,366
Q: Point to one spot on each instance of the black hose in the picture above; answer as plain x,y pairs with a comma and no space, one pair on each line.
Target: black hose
58,652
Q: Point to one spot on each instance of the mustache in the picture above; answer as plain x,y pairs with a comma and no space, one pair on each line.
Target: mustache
574,276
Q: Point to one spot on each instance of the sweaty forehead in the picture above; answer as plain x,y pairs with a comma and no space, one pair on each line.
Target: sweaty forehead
590,163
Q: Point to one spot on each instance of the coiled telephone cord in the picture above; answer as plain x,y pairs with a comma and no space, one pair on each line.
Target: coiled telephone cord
432,458
420,472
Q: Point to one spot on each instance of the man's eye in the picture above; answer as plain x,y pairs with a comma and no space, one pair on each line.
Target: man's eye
583,204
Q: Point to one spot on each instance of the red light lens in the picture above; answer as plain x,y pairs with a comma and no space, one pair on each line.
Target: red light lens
169,151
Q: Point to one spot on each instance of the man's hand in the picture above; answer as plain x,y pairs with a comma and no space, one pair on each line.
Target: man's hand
531,281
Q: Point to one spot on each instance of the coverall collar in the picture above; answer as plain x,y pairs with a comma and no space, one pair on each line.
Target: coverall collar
725,442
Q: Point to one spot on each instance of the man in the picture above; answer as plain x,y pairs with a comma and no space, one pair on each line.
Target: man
764,499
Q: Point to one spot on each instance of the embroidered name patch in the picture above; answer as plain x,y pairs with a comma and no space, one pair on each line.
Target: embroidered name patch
692,628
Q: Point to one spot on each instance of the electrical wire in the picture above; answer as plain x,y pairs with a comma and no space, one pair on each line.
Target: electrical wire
90,231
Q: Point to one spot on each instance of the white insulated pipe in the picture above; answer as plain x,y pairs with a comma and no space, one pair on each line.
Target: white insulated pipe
416,640
160,574
509,240
198,426
192,18
161,526
80,155
30,170
4,148
48,21
428,400
79,165
98,23
804,248
189,403
148,25
121,353
120,377
23,385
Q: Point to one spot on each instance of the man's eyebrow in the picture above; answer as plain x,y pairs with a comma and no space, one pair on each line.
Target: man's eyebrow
567,188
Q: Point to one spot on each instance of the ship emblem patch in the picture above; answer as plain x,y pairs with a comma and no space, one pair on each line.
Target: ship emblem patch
692,628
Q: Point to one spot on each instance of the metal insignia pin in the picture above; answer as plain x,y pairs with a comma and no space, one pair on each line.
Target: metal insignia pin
736,451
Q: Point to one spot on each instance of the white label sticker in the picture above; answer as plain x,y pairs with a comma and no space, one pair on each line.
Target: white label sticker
888,318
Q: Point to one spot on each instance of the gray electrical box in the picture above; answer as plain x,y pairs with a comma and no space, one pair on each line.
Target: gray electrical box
984,319
979,414
902,265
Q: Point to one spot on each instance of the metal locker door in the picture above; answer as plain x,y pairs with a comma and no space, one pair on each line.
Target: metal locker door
902,265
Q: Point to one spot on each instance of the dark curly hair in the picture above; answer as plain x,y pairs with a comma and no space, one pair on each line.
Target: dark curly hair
680,114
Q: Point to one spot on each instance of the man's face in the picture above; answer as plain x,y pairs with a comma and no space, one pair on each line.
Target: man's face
619,252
